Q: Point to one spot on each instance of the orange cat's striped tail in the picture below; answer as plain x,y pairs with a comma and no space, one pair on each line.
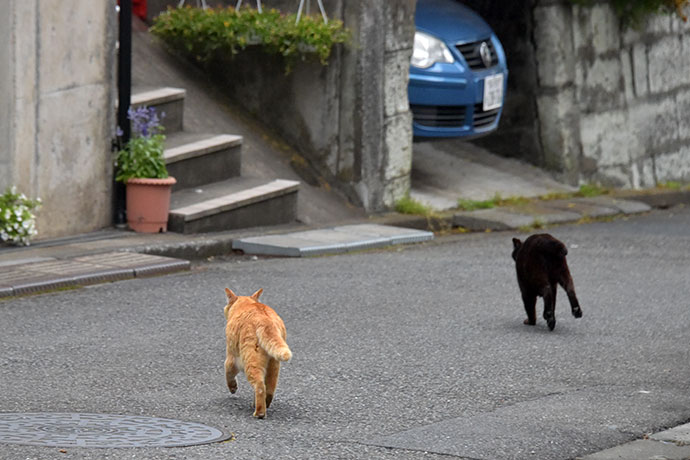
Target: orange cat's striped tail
271,341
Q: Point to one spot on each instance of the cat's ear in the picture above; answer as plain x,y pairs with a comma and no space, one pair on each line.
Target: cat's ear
230,295
256,295
516,243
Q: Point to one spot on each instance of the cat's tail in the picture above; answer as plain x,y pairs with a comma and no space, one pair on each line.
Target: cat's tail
555,248
272,342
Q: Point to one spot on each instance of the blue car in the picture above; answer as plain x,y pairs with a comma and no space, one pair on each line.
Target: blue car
458,72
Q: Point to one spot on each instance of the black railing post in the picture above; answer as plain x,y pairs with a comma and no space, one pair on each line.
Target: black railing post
124,91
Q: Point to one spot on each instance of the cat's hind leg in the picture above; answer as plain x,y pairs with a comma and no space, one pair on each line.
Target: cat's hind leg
272,373
567,283
255,368
530,302
550,306
231,371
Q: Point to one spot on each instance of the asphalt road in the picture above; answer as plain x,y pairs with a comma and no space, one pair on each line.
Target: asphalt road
415,352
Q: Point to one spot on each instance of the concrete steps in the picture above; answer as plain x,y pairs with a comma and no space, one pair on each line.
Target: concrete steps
211,194
197,159
233,203
166,100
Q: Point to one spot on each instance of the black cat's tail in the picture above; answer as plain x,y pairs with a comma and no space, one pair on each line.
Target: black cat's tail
554,247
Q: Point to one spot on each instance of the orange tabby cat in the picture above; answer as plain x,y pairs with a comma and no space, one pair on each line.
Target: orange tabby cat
255,337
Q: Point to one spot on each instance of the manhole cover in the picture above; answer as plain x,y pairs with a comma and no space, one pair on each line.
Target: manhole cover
102,430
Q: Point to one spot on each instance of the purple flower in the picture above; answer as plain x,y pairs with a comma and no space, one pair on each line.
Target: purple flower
145,121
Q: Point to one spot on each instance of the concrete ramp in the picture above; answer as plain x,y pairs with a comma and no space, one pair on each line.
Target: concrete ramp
445,170
330,240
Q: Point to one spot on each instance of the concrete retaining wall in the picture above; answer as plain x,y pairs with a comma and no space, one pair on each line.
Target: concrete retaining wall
57,92
613,104
591,100
350,120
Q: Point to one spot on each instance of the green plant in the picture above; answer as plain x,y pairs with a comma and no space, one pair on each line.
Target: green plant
473,205
408,205
671,185
585,191
557,196
205,35
591,190
634,12
142,156
497,200
17,219
537,223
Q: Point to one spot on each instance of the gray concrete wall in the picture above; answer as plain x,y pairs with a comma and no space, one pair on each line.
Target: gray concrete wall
5,96
58,64
613,103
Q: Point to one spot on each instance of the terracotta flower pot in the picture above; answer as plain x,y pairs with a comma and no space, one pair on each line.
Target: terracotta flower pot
148,204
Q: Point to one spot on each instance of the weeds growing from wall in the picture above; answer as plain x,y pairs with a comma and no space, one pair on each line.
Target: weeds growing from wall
635,12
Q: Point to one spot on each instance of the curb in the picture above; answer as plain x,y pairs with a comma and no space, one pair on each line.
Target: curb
537,213
673,444
334,240
50,274
134,259
495,219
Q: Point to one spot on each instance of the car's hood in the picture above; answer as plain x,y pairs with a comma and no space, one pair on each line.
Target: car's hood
450,20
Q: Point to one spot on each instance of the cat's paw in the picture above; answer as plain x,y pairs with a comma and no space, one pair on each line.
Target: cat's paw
529,322
259,414
577,312
232,386
551,323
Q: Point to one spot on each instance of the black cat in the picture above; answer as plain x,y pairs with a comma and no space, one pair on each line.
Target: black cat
541,265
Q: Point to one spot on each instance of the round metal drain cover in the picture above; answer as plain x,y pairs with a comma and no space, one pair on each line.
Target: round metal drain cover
102,430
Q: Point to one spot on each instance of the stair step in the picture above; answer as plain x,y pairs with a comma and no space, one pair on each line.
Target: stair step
167,100
196,159
240,202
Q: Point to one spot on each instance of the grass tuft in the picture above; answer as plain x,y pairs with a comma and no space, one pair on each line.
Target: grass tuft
590,190
408,205
497,200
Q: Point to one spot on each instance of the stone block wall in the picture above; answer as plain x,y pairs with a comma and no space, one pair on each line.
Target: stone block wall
613,103
57,90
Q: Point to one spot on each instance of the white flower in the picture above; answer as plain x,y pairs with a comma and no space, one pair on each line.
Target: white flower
17,222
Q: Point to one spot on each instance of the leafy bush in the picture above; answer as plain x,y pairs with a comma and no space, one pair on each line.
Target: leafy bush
634,12
17,220
208,34
142,156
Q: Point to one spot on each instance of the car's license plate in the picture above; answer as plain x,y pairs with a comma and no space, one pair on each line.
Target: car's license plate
493,92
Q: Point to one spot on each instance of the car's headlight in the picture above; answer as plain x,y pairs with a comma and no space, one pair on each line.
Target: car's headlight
428,50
